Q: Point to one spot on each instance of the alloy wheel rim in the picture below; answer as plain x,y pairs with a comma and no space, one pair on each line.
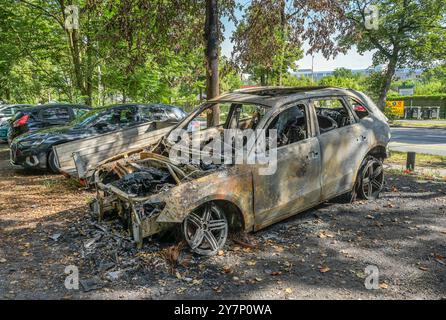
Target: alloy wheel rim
372,179
206,230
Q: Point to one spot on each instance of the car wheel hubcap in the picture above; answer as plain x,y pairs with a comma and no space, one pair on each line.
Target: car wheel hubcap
372,179
206,229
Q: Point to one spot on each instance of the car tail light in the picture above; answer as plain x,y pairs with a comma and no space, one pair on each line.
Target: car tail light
22,121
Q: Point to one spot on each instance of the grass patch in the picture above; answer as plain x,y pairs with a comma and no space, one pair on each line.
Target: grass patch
421,160
61,184
420,123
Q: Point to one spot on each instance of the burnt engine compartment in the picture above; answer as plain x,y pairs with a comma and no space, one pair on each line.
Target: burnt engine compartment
144,182
147,173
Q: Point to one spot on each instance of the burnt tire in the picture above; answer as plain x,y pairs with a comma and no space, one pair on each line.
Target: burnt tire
206,229
52,162
370,178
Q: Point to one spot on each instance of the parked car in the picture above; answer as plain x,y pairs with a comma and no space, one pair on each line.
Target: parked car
34,149
330,142
6,113
44,116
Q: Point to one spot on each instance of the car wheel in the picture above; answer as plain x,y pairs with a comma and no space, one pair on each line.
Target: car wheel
52,162
206,229
371,178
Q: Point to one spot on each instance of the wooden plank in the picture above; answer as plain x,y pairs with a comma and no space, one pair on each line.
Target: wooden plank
91,151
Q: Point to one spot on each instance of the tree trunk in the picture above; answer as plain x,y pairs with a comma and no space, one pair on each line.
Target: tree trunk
283,25
262,79
211,38
391,67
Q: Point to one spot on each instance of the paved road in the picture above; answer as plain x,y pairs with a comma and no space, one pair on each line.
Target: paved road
431,141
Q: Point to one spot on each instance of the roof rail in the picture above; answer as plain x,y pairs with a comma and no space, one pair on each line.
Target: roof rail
278,91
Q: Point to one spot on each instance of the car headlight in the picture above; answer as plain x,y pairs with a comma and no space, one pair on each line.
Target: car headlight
150,209
31,143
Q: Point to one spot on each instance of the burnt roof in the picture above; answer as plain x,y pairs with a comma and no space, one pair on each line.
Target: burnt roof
279,91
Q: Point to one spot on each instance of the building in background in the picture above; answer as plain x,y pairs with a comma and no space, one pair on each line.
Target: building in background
400,74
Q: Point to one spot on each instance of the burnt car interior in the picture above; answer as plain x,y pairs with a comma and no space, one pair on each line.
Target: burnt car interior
332,114
291,125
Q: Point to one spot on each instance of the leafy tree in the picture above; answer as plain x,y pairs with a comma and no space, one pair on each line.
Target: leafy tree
264,43
409,33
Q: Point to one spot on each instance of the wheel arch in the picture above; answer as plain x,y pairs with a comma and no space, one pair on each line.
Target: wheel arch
236,219
378,151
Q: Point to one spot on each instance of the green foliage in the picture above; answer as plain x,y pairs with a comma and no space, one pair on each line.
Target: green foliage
149,50
265,43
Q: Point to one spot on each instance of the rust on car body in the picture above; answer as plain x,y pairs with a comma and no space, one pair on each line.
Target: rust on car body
152,193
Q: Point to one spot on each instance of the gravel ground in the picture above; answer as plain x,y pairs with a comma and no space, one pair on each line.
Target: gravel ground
319,254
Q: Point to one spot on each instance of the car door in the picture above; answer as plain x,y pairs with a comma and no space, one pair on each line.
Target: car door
343,143
295,185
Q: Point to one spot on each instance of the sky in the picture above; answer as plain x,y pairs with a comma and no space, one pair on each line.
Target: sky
351,60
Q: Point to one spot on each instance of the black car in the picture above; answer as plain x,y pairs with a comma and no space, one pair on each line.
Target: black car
44,116
34,149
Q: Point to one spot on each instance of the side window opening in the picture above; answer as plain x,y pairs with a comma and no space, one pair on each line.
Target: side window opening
56,114
79,112
332,114
291,125
246,116
358,107
199,122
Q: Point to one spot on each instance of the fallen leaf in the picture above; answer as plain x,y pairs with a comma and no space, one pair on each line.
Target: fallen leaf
181,290
423,268
325,234
227,269
220,253
251,263
276,273
383,285
324,269
288,290
2,260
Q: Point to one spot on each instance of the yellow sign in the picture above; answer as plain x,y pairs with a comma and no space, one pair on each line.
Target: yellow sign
395,108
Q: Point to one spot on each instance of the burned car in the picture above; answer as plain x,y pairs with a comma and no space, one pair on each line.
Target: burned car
329,142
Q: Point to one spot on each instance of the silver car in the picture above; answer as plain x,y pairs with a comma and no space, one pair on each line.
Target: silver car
330,142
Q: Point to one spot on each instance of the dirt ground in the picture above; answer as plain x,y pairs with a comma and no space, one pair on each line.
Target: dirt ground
322,253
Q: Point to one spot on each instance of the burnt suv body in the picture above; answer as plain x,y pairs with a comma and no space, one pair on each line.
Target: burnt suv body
330,142
44,116
34,149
